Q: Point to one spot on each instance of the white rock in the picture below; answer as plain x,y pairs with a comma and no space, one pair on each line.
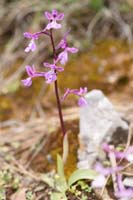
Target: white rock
128,182
98,121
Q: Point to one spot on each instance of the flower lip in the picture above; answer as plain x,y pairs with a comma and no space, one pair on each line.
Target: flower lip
31,46
27,82
82,101
53,25
50,76
63,57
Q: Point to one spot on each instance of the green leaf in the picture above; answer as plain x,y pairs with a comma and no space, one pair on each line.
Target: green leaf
81,174
60,166
49,180
60,181
61,184
58,196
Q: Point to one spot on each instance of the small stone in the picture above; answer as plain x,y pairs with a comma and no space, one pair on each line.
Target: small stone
128,182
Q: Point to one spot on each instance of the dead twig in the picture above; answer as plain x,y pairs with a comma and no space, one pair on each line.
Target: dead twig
114,165
21,169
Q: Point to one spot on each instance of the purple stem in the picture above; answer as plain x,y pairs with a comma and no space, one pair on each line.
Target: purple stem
56,90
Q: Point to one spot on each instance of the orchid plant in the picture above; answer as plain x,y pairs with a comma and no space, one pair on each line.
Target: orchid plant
53,69
51,77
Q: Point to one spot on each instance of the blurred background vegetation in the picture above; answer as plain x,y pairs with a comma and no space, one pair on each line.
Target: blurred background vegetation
101,29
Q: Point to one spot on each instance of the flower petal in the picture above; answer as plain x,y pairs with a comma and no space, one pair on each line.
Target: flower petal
82,91
50,76
47,64
54,12
27,82
53,25
82,101
67,92
59,69
62,44
99,182
31,36
122,191
72,49
63,57
31,46
30,70
48,15
60,17
126,193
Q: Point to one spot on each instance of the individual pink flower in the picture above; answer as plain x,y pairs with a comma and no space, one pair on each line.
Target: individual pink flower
31,73
33,37
50,76
53,18
81,92
32,45
63,56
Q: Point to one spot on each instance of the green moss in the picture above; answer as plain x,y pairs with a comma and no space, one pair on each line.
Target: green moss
5,107
92,68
